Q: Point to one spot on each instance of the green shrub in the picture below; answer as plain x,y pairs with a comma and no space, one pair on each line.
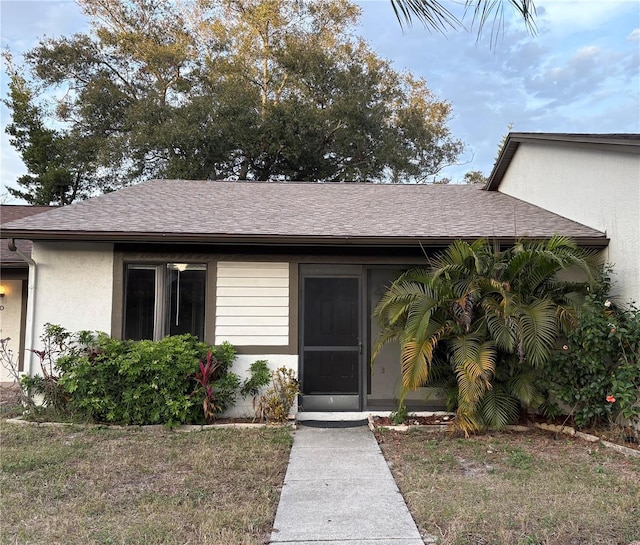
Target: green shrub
144,382
259,378
597,371
56,343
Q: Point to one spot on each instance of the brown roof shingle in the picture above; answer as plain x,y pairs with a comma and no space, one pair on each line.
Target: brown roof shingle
12,212
326,213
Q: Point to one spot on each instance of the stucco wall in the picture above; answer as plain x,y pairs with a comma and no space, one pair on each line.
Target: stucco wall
598,188
244,407
74,287
10,316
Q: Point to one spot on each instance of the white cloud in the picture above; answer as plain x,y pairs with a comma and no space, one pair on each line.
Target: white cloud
634,35
570,16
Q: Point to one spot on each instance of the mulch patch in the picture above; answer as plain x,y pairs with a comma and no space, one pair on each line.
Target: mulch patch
624,436
433,420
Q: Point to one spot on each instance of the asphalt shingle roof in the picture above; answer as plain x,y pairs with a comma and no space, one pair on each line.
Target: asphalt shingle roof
11,212
173,210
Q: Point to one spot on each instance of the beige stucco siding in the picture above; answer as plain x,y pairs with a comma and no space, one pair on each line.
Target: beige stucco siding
74,287
252,303
598,188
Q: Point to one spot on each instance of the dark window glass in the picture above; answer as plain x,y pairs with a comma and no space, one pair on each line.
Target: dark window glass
186,290
140,300
331,311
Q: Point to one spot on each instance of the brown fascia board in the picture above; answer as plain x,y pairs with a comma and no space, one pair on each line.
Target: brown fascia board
14,265
629,143
270,240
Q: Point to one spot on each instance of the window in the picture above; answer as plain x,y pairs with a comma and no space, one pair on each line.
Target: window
167,299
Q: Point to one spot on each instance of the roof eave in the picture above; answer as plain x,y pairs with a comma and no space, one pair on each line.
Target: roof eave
272,240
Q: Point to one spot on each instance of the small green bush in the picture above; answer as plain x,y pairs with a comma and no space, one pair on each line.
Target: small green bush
400,415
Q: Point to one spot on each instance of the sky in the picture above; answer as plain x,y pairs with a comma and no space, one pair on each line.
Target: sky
580,72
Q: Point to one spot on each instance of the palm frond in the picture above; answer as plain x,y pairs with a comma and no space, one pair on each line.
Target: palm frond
468,421
473,359
384,338
434,15
501,325
538,330
429,12
419,316
498,408
524,387
415,361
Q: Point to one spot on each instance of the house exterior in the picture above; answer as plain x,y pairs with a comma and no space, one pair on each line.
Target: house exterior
593,179
14,283
287,272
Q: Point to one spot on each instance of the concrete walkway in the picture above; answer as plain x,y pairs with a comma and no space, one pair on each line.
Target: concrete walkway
338,490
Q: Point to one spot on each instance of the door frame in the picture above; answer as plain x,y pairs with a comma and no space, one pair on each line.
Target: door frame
336,271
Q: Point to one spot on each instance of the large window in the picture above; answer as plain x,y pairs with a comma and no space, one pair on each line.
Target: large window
167,299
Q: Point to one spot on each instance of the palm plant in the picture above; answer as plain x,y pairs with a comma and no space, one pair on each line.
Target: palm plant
435,15
483,322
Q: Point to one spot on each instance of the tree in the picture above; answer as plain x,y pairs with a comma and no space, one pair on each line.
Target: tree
57,169
484,323
475,177
244,89
434,14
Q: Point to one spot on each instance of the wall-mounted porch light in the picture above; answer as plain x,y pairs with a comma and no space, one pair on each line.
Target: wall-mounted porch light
3,291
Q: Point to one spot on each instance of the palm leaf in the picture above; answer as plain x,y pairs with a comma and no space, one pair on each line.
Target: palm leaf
429,12
434,15
524,387
473,358
498,408
415,361
538,330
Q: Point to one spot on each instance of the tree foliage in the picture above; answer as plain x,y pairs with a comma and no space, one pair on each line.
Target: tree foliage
59,164
244,89
482,323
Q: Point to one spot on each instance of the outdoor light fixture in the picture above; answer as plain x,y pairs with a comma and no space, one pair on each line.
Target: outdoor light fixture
2,291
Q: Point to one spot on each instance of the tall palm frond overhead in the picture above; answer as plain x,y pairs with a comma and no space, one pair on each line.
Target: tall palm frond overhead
484,322
434,13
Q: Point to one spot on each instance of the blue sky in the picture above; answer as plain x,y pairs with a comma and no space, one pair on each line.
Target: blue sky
579,73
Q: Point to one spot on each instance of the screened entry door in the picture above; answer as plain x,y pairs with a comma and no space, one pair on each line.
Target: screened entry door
331,343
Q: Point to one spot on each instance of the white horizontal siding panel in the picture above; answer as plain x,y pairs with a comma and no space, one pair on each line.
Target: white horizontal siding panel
252,303
252,292
255,340
253,310
261,282
253,321
253,270
252,273
261,265
234,330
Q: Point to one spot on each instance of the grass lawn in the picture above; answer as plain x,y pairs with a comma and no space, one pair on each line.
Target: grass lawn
86,486
516,489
